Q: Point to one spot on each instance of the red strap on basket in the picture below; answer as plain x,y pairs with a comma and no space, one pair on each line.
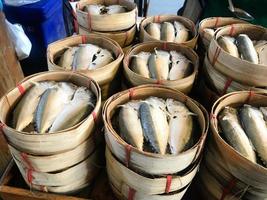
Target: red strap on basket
250,95
212,116
29,175
94,116
131,193
128,149
75,22
232,30
131,93
89,19
216,55
2,125
83,39
227,85
25,158
21,89
159,82
168,183
228,188
165,46
216,22
156,19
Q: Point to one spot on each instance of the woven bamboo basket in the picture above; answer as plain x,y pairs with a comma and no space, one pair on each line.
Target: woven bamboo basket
113,22
239,70
103,75
120,176
251,174
123,38
214,23
144,36
141,160
126,49
49,144
184,85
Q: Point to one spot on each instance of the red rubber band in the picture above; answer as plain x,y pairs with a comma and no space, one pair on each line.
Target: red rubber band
94,116
159,82
128,149
216,22
165,46
30,176
227,85
216,55
24,157
228,188
131,194
212,116
89,18
168,183
131,93
83,39
250,95
231,33
21,89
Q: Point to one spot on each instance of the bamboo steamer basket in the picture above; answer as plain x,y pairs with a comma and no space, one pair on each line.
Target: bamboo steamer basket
58,142
250,173
140,160
126,49
215,23
184,85
103,75
113,22
144,36
123,38
120,175
239,70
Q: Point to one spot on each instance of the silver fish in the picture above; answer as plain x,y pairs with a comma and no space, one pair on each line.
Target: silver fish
246,49
130,124
51,104
228,44
94,9
180,66
139,64
153,29
167,32
115,9
234,133
180,125
66,60
181,31
256,129
75,111
23,113
103,58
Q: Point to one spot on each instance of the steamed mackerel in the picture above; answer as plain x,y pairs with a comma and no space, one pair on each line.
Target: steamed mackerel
256,129
180,125
139,64
130,124
51,104
180,66
153,29
101,58
181,32
155,125
246,49
94,9
228,45
234,133
167,32
115,9
75,111
24,111
66,60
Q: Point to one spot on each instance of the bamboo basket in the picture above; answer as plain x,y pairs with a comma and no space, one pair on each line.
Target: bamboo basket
103,75
142,161
120,177
239,70
144,36
214,23
123,38
251,174
184,85
49,144
126,49
114,22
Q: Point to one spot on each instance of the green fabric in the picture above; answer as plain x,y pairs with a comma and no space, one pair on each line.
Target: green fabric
219,8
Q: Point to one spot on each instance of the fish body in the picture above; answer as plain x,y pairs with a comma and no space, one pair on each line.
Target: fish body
51,104
154,65
167,32
140,64
103,58
130,124
115,9
23,113
256,129
246,49
228,45
181,32
235,134
162,62
66,60
94,9
180,66
180,125
153,29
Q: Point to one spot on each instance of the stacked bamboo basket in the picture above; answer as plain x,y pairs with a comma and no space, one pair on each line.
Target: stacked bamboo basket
135,174
226,174
193,34
60,162
184,85
103,75
118,27
223,73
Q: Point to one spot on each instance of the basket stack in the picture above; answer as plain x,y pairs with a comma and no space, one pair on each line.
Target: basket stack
135,174
184,85
193,34
60,162
103,75
118,27
224,73
226,174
